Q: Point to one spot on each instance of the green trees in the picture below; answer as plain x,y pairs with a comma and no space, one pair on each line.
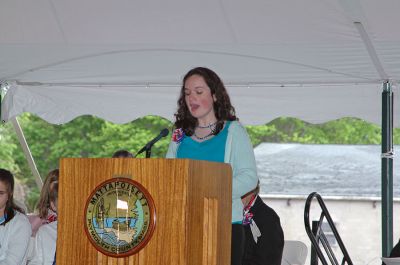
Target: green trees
85,136
342,131
89,136
7,148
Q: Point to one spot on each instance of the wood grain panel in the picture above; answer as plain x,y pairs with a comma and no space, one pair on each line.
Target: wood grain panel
206,227
178,188
210,228
210,180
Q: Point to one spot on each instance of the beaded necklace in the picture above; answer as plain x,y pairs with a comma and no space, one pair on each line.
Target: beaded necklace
204,137
211,126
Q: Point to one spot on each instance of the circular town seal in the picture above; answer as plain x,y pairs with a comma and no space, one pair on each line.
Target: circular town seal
119,217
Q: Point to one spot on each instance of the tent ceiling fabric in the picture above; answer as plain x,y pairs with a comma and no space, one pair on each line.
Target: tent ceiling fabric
120,60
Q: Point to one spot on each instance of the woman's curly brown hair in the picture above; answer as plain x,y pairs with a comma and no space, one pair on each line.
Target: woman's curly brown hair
224,111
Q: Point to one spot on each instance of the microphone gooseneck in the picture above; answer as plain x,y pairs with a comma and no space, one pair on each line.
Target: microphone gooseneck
164,132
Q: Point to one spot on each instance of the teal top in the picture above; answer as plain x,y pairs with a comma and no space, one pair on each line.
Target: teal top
240,155
212,149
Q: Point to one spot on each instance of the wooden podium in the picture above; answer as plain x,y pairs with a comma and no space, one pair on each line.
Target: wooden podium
192,201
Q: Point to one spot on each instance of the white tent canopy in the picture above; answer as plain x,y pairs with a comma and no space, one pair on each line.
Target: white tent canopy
119,60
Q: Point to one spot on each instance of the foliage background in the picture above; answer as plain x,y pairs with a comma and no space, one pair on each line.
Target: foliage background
89,136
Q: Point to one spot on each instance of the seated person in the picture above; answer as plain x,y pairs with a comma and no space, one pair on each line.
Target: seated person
44,251
45,213
122,154
264,234
15,229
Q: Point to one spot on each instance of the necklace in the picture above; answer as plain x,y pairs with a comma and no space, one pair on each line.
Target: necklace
207,126
204,137
212,130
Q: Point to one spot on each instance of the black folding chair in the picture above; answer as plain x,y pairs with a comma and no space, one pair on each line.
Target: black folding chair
318,236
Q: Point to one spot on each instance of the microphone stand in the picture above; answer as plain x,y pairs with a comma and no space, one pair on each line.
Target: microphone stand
150,144
148,152
147,148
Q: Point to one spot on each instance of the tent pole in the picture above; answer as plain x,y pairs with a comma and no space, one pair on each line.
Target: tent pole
27,152
387,169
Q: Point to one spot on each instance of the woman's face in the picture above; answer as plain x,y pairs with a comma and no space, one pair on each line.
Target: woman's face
198,98
4,194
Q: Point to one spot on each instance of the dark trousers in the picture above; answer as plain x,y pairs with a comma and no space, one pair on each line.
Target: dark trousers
238,244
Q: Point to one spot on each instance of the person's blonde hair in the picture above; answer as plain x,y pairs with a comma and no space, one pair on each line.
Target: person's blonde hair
44,199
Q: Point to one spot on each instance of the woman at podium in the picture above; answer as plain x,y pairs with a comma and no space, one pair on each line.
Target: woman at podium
206,128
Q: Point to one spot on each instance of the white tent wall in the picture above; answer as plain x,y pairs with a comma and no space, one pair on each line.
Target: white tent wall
254,104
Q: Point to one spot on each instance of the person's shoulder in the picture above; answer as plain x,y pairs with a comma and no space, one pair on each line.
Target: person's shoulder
236,127
267,210
235,124
35,222
52,225
21,222
49,228
21,217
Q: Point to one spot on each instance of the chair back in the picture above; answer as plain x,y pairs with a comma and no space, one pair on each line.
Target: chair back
294,253
318,236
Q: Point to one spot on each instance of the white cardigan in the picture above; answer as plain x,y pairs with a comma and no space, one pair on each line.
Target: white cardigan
14,239
45,245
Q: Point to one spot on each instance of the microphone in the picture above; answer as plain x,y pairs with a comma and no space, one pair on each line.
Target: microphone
164,132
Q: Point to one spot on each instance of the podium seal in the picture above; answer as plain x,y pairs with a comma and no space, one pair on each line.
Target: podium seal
119,217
